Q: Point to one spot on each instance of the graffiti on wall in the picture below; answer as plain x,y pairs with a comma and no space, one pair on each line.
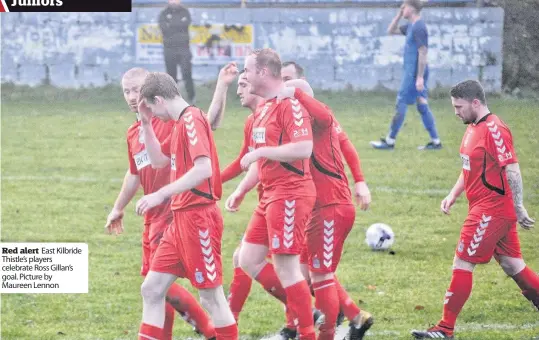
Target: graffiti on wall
210,44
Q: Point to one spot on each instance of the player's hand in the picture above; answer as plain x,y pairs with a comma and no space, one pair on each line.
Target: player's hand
115,223
149,201
144,112
447,203
233,201
249,158
286,92
523,218
228,73
420,84
401,11
363,195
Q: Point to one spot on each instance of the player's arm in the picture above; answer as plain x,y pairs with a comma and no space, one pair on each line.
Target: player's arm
200,172
157,158
514,178
233,170
301,84
457,190
394,25
421,40
318,110
216,111
130,185
287,152
247,184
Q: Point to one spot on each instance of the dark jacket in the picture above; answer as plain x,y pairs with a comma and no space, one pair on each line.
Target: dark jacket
174,23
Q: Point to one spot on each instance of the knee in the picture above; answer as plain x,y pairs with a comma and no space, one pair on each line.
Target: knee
150,292
320,277
511,265
463,265
249,264
236,258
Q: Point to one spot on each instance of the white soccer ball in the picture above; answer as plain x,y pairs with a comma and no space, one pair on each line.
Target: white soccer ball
380,236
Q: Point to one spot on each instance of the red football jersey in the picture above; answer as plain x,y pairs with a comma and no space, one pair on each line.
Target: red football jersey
487,147
277,124
328,168
139,164
192,138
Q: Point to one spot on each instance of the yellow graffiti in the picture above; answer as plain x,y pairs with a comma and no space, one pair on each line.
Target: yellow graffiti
200,34
149,34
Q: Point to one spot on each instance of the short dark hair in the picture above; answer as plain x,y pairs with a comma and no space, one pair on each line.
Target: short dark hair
299,70
416,4
266,57
469,90
159,84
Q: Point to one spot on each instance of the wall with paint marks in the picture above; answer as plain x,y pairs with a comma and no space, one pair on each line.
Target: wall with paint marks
339,48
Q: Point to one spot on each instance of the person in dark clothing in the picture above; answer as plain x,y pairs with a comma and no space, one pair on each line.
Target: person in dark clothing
174,23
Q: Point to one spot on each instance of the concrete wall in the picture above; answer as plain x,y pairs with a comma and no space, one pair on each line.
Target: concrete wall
338,47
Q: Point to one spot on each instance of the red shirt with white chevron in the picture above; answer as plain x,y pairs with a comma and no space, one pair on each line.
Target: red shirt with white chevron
487,147
277,124
151,179
192,138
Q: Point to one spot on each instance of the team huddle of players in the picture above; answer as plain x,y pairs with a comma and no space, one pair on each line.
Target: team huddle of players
293,152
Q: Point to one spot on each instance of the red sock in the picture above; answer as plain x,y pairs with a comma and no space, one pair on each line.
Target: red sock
327,301
528,281
299,300
149,332
239,291
227,333
348,307
290,318
271,283
169,322
456,296
186,304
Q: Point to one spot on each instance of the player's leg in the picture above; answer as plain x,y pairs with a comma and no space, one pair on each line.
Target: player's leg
187,75
401,106
214,300
509,256
430,125
153,292
287,220
427,117
239,287
326,236
201,237
165,267
479,237
178,298
171,63
253,254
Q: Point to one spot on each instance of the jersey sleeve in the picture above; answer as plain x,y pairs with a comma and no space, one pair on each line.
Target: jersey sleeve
404,28
318,110
132,166
296,122
500,144
421,35
233,170
165,146
197,136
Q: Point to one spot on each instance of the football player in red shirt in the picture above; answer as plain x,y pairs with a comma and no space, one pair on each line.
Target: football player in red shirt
332,218
491,177
140,173
241,281
191,245
282,144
